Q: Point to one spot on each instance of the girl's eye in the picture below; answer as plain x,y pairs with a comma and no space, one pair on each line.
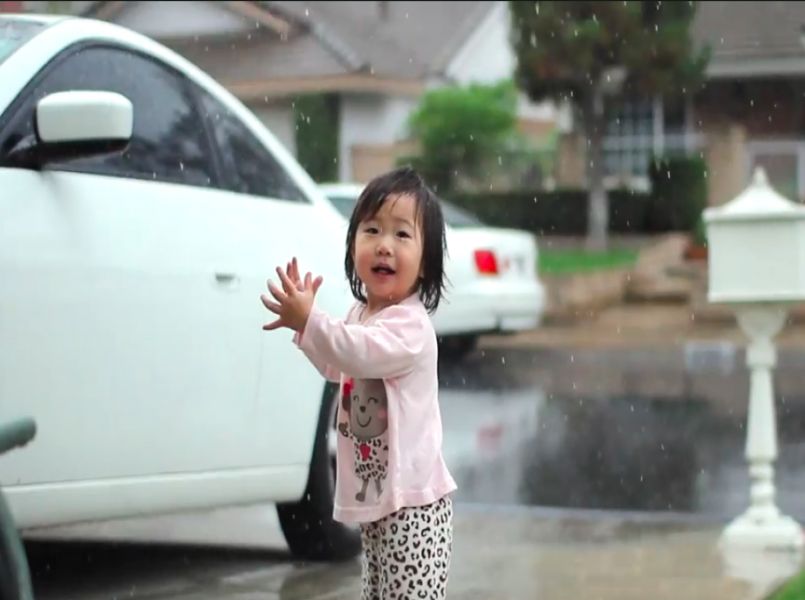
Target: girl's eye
370,229
403,234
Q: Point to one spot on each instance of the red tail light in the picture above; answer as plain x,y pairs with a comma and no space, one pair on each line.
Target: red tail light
486,262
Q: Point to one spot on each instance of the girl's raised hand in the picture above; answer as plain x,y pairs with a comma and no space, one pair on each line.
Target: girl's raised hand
294,301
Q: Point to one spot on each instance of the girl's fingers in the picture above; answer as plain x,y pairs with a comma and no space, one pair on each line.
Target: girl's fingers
287,284
272,306
271,326
307,281
295,266
277,293
317,283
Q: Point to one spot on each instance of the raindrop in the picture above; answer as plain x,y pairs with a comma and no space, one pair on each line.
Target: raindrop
572,358
307,12
752,102
656,28
503,360
181,166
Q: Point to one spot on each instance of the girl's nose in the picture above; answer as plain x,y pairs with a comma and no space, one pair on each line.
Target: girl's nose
382,248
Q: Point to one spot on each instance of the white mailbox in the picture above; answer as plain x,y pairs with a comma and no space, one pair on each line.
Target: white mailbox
757,264
756,246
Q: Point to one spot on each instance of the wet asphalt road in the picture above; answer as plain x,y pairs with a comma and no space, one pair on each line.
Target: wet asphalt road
659,431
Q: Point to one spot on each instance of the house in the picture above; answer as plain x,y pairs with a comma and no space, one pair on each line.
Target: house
753,101
371,61
749,114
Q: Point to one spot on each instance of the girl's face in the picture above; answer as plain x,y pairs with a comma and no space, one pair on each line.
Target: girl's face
388,252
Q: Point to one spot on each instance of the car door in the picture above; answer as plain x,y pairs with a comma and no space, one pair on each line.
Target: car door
282,222
122,309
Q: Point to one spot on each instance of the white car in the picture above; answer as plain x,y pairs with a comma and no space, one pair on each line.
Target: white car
493,283
142,208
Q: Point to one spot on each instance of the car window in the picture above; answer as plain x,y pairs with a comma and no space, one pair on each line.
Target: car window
458,217
248,167
453,215
14,33
168,143
344,204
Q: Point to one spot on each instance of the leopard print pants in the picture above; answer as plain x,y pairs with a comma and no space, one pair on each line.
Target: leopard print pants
406,555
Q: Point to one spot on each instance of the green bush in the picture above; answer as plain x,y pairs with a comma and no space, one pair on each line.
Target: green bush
316,122
679,191
460,129
561,212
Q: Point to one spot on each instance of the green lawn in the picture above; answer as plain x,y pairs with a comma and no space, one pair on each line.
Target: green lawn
792,590
563,262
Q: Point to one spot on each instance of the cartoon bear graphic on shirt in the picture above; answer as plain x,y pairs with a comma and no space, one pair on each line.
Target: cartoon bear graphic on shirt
366,403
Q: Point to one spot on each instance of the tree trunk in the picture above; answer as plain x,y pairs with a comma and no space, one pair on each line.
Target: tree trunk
598,202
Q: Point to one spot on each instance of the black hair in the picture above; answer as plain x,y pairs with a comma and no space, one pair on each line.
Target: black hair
404,181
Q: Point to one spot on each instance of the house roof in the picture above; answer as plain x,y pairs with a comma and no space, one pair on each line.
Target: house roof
361,46
752,39
394,39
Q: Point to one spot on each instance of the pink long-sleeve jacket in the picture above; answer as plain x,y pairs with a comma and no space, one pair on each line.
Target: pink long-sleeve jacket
389,425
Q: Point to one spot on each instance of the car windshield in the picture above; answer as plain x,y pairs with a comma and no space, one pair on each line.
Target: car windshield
453,215
14,33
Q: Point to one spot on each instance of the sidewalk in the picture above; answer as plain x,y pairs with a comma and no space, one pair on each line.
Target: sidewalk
635,326
562,555
499,553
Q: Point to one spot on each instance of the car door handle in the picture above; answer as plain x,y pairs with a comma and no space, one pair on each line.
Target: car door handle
225,278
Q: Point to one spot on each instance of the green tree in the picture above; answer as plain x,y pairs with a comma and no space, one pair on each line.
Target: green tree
594,54
459,129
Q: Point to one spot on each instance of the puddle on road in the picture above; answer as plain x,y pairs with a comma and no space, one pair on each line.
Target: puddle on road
522,445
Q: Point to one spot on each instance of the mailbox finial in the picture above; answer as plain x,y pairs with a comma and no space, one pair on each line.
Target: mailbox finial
760,178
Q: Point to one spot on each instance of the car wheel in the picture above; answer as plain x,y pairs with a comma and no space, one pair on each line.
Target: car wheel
456,347
308,525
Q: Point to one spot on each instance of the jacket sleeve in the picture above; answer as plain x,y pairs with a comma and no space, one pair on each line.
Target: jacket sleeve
386,348
327,371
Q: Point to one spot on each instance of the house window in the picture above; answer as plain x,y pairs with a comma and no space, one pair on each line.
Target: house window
630,141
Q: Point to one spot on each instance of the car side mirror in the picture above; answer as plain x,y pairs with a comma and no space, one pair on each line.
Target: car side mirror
76,124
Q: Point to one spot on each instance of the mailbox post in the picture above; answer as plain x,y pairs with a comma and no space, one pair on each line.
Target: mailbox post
757,266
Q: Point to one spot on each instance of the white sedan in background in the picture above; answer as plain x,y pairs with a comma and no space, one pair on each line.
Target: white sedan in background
142,207
493,286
